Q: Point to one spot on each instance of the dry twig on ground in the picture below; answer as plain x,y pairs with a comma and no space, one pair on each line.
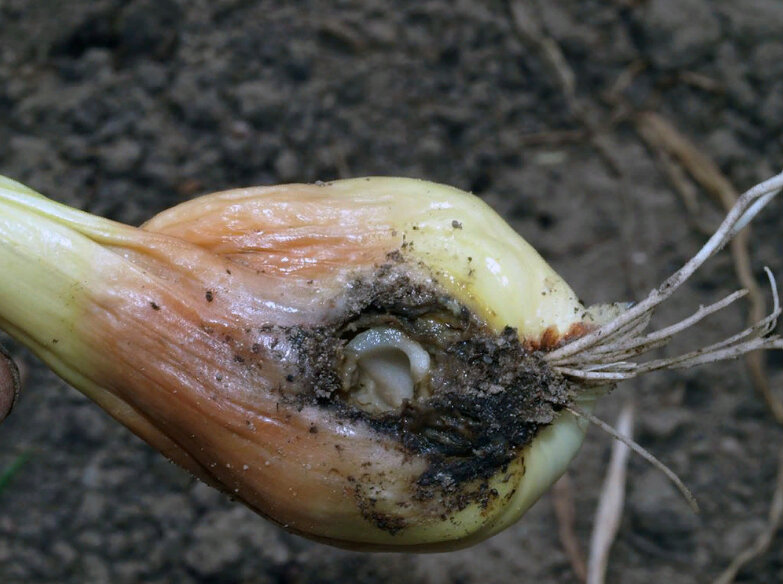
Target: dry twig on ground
527,24
563,503
762,543
610,506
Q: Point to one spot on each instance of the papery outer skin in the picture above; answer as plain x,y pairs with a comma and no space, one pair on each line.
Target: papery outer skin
82,296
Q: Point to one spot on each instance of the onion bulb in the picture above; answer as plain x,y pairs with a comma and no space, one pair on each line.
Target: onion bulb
376,363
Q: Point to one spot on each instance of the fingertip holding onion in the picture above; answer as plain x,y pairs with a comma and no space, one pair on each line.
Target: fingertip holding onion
373,363
9,383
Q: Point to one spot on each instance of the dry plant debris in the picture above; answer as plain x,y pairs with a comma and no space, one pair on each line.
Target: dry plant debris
612,501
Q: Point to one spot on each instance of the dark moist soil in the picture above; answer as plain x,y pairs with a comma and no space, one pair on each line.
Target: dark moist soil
124,108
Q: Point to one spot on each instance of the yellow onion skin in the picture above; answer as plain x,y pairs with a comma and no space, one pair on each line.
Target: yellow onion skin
182,330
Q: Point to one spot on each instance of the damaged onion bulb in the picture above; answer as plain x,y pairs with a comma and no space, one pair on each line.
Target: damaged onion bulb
375,363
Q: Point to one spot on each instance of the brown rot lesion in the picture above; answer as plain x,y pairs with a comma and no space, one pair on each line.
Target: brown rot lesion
552,337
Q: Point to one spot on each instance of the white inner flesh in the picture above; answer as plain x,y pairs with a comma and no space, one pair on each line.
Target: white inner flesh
384,365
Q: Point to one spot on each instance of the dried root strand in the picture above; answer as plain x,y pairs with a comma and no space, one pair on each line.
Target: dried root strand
605,355
607,362
641,451
644,343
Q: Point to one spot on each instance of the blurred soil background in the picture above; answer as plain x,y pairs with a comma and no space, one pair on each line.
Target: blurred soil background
125,108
